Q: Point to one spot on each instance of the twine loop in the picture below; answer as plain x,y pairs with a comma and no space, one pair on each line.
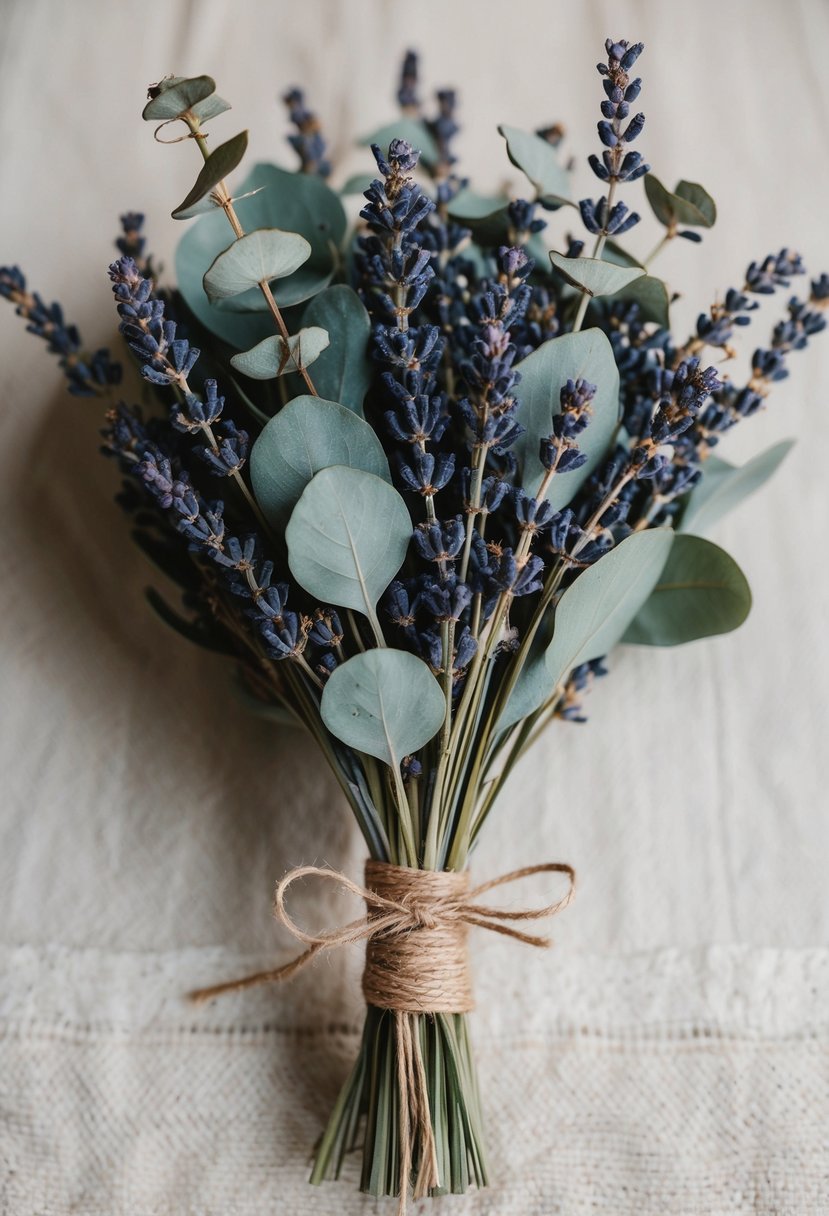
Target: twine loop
415,928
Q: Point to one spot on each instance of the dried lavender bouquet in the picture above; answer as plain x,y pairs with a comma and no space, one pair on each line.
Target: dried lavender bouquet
418,479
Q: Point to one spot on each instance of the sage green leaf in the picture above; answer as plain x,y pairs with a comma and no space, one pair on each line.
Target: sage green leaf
210,107
597,609
410,129
468,205
651,295
724,486
385,703
695,196
176,95
619,256
274,356
485,215
259,257
701,592
218,165
586,355
594,276
538,160
358,183
293,202
591,617
689,204
343,371
309,434
347,538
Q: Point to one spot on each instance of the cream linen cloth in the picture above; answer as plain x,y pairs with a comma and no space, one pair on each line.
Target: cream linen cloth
668,1058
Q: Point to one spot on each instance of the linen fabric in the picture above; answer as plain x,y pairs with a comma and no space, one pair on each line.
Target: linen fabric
668,1057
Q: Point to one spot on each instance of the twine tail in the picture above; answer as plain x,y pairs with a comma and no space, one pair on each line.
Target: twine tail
253,981
413,1101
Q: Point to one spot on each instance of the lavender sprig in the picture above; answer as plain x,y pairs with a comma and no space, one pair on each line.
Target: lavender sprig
88,375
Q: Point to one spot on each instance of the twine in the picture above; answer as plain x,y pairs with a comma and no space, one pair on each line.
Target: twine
415,930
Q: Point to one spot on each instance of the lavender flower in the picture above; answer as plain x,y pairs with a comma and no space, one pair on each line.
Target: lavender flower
604,217
88,375
307,141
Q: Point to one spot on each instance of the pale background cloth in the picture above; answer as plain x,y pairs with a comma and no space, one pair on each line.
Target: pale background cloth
669,1056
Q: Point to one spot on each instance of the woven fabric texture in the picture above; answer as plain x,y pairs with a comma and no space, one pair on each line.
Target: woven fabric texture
669,1056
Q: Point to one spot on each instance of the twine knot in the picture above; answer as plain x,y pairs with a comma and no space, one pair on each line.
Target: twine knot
415,930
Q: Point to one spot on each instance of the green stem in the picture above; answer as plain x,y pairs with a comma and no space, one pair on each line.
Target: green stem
226,203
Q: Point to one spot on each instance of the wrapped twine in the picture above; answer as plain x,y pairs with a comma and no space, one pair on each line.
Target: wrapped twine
417,962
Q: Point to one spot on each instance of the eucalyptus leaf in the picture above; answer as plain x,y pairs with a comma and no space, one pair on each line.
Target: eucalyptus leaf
689,204
385,703
412,130
308,435
701,592
176,95
538,160
261,416
217,166
485,215
259,257
651,295
596,277
294,202
596,610
210,107
586,355
358,183
697,197
347,538
619,256
343,371
274,356
724,486
590,618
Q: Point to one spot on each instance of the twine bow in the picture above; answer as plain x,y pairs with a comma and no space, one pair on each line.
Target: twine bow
411,914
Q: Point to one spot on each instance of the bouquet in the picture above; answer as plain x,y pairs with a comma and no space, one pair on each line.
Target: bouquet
418,476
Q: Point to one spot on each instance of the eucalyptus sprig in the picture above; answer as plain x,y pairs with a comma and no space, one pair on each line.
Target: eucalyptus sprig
501,467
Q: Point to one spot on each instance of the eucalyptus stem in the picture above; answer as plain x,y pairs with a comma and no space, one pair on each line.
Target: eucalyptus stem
598,249
226,203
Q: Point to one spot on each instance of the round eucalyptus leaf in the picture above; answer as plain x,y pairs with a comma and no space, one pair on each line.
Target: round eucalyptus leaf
358,183
485,215
259,257
692,195
309,434
294,202
218,165
210,107
586,355
410,129
385,703
651,295
347,538
176,94
589,620
688,204
724,486
701,592
343,371
538,160
596,277
619,256
594,612
274,356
